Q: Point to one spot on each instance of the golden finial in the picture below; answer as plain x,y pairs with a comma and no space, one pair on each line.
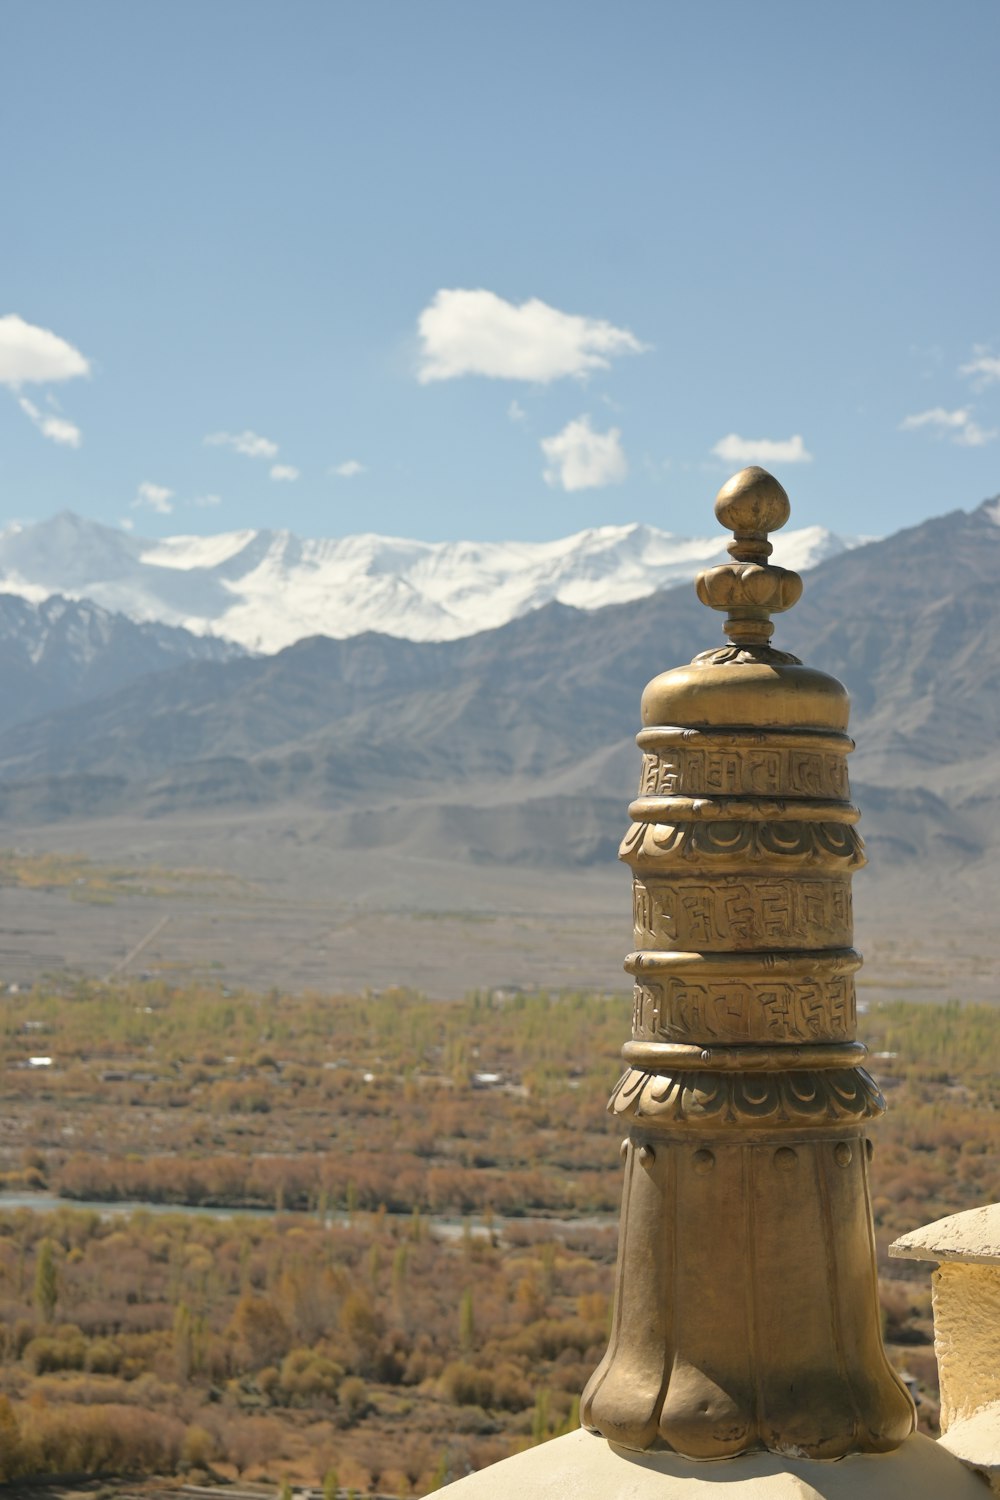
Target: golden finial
750,588
747,1303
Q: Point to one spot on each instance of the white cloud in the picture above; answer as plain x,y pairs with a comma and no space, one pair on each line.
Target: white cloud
204,501
126,523
516,412
958,424
250,444
936,417
581,459
32,354
733,449
153,497
284,471
974,436
479,333
56,429
349,469
983,369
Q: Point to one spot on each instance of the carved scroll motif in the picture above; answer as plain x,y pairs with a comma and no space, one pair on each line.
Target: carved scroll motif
839,1096
745,843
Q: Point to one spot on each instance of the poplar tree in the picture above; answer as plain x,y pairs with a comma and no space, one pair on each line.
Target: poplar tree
466,1321
46,1281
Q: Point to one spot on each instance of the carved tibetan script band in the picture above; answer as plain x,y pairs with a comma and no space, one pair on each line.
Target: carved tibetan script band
732,1012
743,912
761,771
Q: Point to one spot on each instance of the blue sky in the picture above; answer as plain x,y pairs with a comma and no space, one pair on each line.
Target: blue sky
513,269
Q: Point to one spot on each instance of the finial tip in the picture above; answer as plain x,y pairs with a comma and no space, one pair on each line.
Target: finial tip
752,503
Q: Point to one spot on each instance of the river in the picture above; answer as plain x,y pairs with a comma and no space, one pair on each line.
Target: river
445,1226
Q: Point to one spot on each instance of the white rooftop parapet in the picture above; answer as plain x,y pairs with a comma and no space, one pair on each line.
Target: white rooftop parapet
584,1466
966,1293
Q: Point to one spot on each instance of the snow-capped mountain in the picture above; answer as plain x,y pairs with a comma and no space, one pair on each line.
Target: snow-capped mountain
267,589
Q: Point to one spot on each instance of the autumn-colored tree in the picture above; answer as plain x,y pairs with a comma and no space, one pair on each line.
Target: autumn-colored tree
260,1330
10,1443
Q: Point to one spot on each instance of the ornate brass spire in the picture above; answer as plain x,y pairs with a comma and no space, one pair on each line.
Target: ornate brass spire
747,1302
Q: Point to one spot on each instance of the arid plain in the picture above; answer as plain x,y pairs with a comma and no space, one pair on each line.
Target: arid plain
270,900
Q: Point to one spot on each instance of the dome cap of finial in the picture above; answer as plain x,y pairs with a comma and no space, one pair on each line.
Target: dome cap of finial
748,682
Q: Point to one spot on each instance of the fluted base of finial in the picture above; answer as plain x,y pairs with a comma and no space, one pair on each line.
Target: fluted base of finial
584,1467
747,1309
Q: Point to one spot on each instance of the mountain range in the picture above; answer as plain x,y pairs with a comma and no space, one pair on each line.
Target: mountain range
61,652
264,590
514,745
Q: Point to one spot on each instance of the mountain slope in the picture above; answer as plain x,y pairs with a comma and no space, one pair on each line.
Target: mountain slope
268,589
515,744
60,653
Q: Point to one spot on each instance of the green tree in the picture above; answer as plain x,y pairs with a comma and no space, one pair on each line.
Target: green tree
540,1417
331,1484
572,1421
46,1281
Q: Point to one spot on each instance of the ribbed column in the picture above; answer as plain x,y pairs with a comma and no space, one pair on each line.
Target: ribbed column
747,1303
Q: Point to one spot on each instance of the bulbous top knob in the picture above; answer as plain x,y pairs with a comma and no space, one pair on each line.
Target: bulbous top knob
752,503
748,684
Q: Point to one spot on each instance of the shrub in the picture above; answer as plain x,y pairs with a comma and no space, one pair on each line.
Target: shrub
354,1398
198,1448
465,1385
45,1354
103,1357
306,1374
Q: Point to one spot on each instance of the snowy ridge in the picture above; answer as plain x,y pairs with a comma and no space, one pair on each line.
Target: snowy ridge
267,589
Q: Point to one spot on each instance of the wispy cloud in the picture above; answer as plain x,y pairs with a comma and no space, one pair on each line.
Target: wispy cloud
581,459
478,333
733,449
983,368
516,411
349,469
204,502
56,429
284,471
250,444
30,355
154,497
959,425
33,355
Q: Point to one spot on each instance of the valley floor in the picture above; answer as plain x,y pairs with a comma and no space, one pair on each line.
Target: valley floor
271,899
404,1269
